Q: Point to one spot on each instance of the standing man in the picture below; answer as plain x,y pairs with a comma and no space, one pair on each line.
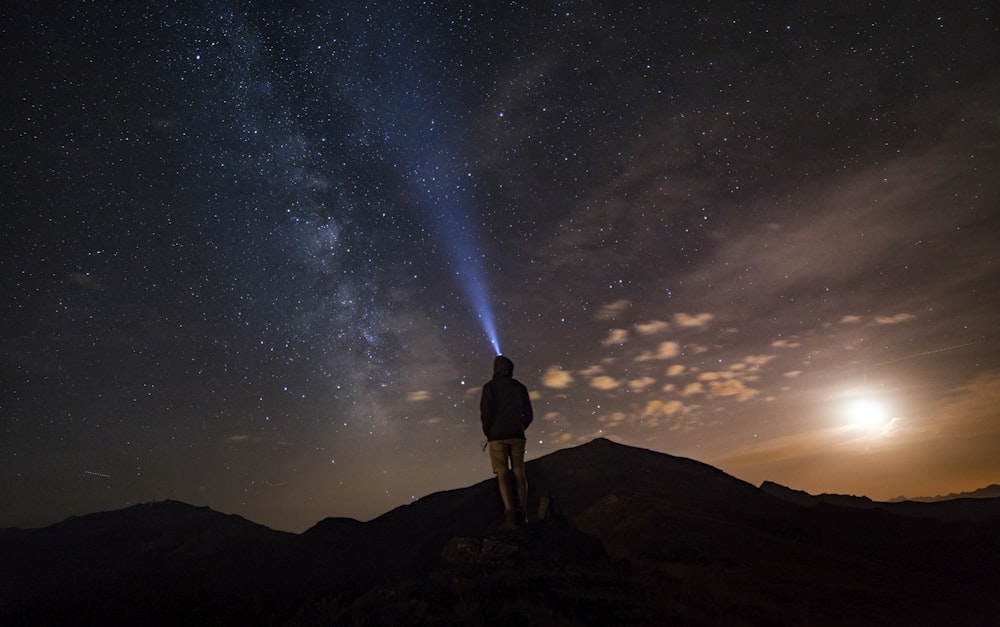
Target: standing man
505,411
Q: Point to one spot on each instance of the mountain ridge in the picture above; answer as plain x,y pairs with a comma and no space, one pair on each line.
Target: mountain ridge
629,536
955,509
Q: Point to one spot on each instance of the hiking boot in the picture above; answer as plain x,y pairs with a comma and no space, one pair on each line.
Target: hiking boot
520,518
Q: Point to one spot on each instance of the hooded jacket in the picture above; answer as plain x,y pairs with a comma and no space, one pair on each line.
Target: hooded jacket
504,409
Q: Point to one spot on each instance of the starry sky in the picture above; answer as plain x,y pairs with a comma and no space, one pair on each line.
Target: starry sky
255,255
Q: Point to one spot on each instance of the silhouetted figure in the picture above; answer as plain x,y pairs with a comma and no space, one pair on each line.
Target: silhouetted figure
505,411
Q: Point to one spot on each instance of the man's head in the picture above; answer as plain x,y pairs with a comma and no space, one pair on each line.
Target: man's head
502,366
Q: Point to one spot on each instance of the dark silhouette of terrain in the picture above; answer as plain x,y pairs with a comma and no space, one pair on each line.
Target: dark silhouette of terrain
630,537
959,507
991,491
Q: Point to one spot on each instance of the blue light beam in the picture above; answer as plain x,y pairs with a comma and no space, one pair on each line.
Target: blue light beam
408,99
453,228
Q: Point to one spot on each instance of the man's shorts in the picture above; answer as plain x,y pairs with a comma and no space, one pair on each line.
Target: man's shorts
504,451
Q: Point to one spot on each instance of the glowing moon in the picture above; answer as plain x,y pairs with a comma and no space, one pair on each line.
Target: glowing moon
868,414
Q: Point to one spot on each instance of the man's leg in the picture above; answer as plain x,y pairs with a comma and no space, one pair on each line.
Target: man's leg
520,478
499,459
521,481
507,491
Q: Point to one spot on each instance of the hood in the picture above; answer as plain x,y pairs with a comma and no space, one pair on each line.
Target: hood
502,367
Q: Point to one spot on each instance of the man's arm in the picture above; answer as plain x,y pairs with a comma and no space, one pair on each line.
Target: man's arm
486,413
527,414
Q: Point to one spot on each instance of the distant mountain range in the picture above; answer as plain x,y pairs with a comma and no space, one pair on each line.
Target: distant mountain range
976,505
629,536
989,492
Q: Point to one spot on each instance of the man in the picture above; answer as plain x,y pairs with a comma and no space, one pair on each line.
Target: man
505,411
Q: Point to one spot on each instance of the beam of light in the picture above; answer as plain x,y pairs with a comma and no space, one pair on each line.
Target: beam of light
453,229
410,103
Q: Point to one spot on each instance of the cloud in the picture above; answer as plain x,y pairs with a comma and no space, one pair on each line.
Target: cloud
640,384
675,370
714,376
652,327
732,387
418,395
614,419
758,360
604,382
903,317
689,321
556,377
613,310
785,344
615,336
666,350
693,388
850,319
665,408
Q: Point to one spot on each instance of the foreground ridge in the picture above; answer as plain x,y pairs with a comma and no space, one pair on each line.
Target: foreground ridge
616,534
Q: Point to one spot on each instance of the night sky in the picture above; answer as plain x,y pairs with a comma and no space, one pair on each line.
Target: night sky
253,253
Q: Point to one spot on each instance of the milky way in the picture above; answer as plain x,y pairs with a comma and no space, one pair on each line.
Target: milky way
254,253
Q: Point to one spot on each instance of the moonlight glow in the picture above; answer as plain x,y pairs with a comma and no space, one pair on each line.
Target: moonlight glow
867,414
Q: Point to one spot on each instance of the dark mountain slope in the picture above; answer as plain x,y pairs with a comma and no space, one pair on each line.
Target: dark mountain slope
156,563
636,537
680,524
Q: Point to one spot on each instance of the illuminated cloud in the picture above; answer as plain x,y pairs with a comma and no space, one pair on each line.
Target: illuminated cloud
433,420
785,344
898,318
675,370
556,377
665,408
731,387
713,376
693,388
850,320
418,395
652,327
638,385
613,310
758,360
614,419
666,350
791,374
689,321
604,382
615,336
